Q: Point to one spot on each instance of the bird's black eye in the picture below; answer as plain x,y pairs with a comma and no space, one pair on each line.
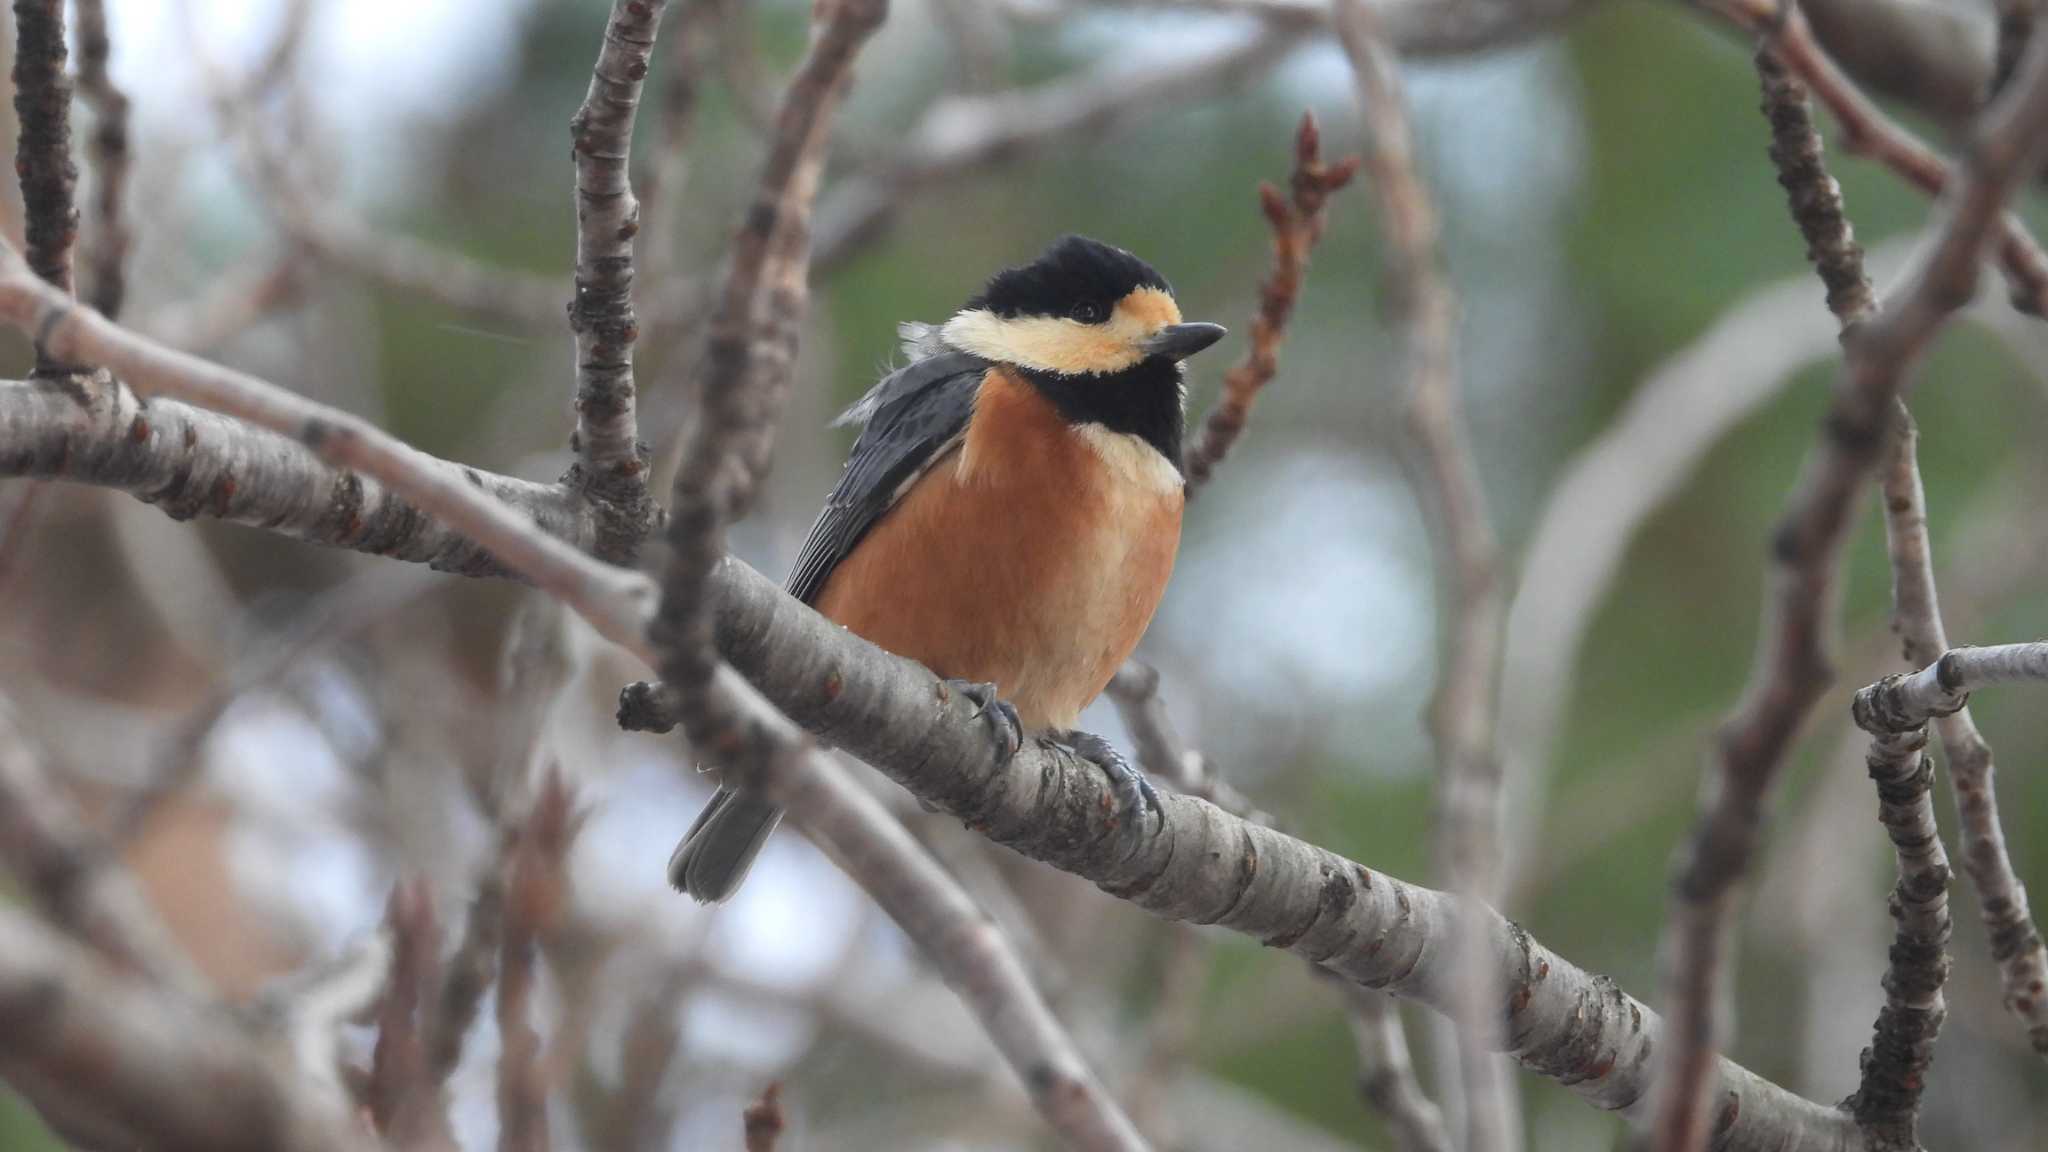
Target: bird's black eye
1088,312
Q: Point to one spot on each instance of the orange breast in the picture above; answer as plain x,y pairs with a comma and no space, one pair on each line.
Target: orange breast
1029,557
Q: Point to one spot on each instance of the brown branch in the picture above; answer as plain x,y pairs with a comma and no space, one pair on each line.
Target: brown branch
748,362
42,152
1445,477
107,254
536,898
78,1039
763,1119
1916,618
611,463
1895,1065
1867,131
405,1103
1793,665
1297,223
1813,196
467,977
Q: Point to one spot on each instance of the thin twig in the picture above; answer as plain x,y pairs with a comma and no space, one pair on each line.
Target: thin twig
1867,131
1135,692
1386,1075
405,1103
763,1120
1445,477
611,463
1895,1066
1916,617
1793,665
749,359
1297,223
1812,195
467,976
110,236
42,152
536,898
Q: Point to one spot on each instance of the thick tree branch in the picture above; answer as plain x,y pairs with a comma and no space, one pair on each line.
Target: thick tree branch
191,461
1445,476
110,237
1206,866
1793,665
611,463
1916,618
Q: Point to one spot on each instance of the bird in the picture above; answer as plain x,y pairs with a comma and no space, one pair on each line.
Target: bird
1008,516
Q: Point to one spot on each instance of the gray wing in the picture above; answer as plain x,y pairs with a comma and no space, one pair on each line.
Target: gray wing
910,419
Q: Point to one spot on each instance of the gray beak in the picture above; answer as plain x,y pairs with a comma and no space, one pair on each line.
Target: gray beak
1180,341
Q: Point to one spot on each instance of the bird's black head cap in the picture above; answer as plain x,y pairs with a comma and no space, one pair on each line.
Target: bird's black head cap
1073,273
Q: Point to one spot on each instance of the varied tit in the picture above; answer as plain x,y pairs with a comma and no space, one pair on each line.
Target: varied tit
1009,514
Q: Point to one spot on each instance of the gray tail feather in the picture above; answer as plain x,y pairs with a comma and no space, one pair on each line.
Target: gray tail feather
720,847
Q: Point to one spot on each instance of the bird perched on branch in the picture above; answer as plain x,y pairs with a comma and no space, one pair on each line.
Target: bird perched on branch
1008,516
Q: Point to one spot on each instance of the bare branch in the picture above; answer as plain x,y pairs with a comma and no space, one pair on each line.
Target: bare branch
1813,196
1901,1051
536,897
615,600
1445,477
1297,223
42,153
611,462
763,1119
1793,665
1135,692
404,1102
166,1073
1386,1076
1916,618
748,361
1867,131
110,237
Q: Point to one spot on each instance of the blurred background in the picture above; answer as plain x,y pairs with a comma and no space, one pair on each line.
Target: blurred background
1644,354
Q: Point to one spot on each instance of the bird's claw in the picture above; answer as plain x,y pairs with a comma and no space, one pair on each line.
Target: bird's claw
1001,716
1134,792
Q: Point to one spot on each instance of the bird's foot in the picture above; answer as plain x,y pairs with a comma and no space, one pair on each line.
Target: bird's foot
1134,793
1001,717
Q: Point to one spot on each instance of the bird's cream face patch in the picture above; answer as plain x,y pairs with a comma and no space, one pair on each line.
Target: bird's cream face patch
1066,346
